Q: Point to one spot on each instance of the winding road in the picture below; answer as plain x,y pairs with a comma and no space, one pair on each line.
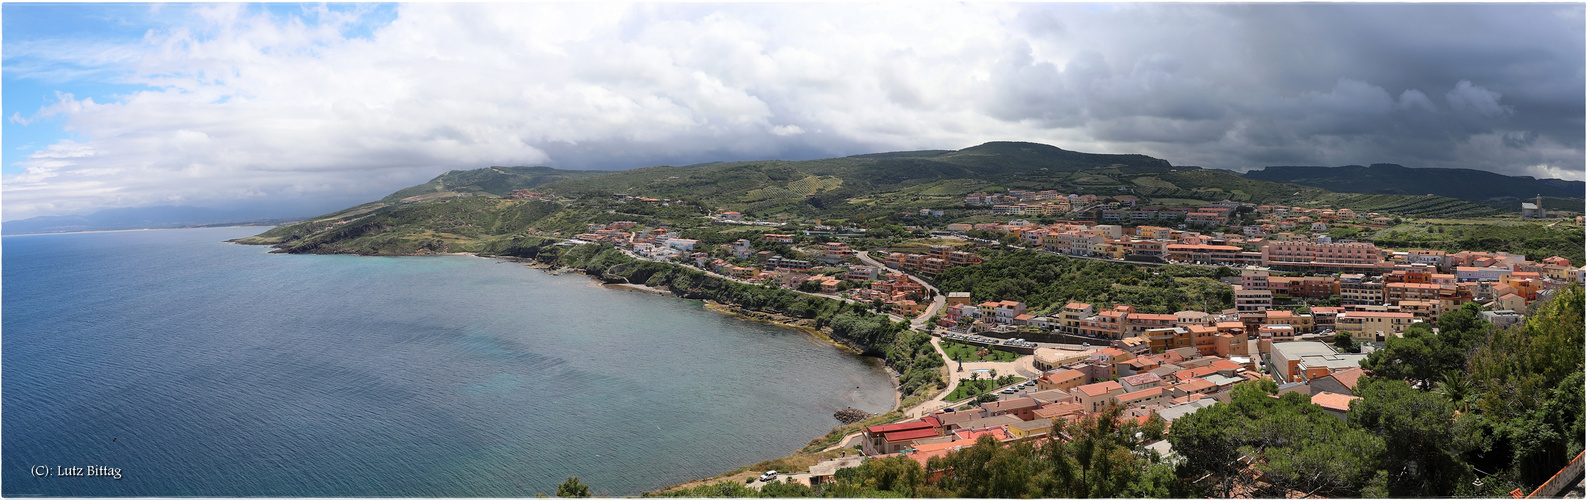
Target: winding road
938,300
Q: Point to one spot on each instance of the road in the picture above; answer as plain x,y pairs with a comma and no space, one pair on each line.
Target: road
631,253
1024,366
938,300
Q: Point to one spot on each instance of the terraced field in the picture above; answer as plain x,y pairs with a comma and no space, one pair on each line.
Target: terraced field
1415,206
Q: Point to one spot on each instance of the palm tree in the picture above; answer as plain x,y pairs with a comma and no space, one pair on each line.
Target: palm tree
1457,388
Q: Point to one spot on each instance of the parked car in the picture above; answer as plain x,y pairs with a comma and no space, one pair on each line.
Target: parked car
769,475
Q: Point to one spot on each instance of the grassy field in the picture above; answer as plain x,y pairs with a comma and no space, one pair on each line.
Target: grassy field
967,352
1179,202
969,388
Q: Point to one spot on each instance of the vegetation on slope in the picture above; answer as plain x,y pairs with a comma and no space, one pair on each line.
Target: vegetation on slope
1467,412
463,224
1388,178
1413,206
498,181
1046,282
1535,241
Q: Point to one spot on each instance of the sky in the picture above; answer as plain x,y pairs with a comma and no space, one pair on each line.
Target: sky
317,107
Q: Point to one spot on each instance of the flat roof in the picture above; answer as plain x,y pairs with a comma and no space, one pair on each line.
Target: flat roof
1296,350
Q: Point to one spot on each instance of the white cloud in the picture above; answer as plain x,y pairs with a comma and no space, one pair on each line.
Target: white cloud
243,104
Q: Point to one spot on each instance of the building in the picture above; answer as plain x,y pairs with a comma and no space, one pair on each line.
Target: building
1019,407
1373,326
1320,256
1093,397
1065,380
958,298
1337,405
1502,318
1356,289
892,438
1533,210
1339,382
1302,361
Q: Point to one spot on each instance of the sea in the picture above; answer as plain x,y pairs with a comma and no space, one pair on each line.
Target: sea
194,367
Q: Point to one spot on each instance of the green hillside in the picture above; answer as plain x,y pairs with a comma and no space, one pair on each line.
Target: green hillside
1388,178
469,210
1413,206
498,181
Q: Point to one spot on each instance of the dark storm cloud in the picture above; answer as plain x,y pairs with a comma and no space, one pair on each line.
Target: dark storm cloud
1496,87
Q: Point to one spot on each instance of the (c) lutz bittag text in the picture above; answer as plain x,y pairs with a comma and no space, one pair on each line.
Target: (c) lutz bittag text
69,471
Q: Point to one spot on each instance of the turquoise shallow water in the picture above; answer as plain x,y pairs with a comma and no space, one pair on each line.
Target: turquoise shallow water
204,368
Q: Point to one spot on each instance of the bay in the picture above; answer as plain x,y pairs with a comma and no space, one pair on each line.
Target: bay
203,368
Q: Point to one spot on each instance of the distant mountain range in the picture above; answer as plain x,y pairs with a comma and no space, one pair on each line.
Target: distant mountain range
867,184
139,218
1388,178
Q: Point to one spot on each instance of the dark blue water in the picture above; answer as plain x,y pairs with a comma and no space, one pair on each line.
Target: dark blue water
204,368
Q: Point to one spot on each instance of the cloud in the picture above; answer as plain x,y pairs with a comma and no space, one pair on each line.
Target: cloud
246,103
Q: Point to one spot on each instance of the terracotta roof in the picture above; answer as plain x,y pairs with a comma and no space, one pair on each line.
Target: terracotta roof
1051,395
1057,410
910,434
901,426
1224,364
1348,378
1195,385
947,445
1100,388
1411,285
1338,402
1376,314
1150,392
1064,376
973,434
1142,378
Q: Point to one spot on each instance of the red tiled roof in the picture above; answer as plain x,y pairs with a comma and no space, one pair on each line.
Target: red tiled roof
1224,364
972,434
1349,378
1375,314
901,426
1150,392
1195,384
1064,376
910,434
1100,388
1339,402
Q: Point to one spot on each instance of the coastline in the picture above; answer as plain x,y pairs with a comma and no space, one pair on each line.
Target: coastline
798,458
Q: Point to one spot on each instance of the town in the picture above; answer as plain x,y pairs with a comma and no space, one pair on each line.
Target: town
1307,312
